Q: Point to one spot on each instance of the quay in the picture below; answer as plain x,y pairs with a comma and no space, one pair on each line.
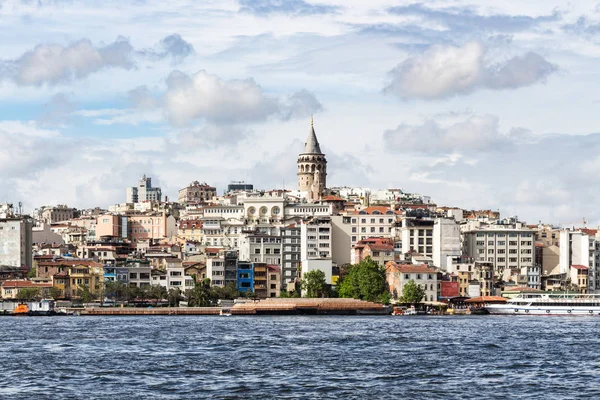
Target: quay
278,306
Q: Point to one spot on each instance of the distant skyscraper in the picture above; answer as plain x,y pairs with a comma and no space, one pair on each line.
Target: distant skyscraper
143,192
312,167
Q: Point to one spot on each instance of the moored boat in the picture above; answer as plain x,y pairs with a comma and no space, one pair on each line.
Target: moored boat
548,304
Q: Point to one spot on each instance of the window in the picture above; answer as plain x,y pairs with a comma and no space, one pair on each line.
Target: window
256,251
406,276
363,221
353,229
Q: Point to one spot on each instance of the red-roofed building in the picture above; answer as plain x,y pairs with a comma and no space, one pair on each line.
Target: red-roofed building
381,250
579,277
398,275
11,288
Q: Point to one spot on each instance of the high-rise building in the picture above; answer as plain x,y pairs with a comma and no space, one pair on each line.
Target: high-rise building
15,238
143,192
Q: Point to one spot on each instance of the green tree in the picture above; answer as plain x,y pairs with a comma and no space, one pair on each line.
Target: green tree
28,294
85,294
412,293
314,284
157,293
115,290
365,281
174,296
55,292
32,273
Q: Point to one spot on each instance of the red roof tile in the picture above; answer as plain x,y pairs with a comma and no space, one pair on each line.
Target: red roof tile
409,268
579,267
24,284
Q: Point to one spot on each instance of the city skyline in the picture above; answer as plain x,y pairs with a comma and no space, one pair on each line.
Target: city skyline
94,96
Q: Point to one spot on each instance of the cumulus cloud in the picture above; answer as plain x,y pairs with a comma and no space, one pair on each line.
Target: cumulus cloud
476,133
551,178
52,64
218,101
142,97
172,46
28,150
300,104
444,71
57,110
288,7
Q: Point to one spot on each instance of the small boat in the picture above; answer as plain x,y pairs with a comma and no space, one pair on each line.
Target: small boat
404,311
21,309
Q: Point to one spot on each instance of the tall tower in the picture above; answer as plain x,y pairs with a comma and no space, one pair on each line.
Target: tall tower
312,167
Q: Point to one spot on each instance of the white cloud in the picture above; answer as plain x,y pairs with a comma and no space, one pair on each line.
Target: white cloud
476,133
208,97
53,64
445,71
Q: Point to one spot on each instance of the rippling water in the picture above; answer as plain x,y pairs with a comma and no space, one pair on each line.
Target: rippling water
299,357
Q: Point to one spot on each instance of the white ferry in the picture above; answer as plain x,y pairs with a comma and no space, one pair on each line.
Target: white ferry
548,304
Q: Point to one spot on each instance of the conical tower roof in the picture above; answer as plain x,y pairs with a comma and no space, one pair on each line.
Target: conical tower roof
312,144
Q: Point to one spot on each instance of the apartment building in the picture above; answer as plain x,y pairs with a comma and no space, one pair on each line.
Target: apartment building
291,253
16,239
195,193
510,247
581,248
374,221
397,275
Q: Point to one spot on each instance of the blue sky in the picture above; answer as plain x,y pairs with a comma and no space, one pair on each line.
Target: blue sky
482,104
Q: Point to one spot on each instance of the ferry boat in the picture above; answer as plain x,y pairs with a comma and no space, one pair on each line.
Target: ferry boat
548,304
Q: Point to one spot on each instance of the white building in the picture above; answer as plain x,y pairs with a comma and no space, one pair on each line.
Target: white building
510,247
446,241
16,245
316,238
143,192
581,247
215,270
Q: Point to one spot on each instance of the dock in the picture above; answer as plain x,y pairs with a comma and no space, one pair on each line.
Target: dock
271,306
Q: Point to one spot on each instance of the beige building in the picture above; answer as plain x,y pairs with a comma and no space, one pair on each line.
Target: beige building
397,275
59,213
196,193
312,168
374,221
274,281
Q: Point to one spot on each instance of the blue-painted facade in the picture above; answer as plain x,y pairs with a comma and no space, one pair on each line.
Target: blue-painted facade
245,277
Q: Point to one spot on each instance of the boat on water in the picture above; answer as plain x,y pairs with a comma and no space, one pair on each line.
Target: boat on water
548,304
405,311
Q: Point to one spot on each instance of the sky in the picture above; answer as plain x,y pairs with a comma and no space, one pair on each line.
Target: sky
479,104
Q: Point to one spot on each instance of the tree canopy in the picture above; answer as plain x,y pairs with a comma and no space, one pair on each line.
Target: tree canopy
28,294
314,284
365,281
412,293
